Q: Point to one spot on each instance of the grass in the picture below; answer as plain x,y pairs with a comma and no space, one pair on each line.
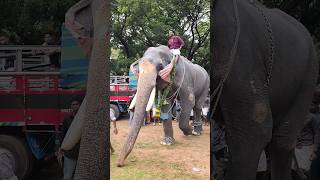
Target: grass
150,160
153,168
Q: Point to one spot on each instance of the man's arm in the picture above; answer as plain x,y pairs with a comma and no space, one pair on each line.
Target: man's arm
115,130
64,130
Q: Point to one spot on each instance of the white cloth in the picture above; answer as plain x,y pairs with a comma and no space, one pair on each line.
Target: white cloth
262,166
303,157
205,111
175,51
112,115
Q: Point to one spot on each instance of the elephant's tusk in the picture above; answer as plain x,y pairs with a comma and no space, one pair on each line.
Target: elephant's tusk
151,99
133,102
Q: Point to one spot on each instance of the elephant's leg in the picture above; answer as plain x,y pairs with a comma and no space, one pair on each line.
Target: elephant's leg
283,142
187,100
284,137
248,130
288,126
197,124
167,128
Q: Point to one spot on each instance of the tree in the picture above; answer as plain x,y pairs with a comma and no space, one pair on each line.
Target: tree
139,24
30,19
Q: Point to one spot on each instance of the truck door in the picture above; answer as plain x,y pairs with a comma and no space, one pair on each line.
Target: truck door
42,99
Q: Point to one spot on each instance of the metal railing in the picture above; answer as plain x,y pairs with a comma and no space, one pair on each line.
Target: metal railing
119,79
26,58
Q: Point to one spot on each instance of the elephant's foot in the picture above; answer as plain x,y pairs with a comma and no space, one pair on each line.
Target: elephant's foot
195,133
167,141
186,130
197,130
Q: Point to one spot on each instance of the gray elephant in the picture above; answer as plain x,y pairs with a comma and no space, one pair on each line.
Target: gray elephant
192,83
265,70
89,22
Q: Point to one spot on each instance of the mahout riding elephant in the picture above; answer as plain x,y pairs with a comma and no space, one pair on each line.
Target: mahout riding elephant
265,70
191,82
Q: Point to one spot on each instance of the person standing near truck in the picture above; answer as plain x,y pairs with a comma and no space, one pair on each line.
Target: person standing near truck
70,157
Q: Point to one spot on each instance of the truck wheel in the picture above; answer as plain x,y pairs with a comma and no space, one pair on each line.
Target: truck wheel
16,149
115,110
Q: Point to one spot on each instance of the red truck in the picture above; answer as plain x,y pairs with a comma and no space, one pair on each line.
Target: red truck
33,105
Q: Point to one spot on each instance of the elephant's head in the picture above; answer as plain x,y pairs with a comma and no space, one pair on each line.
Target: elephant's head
154,59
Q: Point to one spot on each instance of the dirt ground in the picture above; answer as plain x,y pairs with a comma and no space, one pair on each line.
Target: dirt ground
188,158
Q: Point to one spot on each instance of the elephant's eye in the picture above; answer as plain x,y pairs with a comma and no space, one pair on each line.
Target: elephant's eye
159,67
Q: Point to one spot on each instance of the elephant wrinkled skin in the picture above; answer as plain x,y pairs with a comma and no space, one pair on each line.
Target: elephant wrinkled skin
271,47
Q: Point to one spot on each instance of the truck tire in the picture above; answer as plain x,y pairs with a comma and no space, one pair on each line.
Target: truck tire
116,110
22,157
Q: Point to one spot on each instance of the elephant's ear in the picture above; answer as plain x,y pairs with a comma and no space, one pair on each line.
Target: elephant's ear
165,61
134,67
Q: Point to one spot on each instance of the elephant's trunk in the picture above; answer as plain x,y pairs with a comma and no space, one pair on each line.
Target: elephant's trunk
146,82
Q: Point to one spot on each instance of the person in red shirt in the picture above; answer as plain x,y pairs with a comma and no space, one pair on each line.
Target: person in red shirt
175,43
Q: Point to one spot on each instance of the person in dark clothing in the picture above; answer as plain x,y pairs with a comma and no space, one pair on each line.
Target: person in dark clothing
315,152
315,165
54,54
70,156
219,150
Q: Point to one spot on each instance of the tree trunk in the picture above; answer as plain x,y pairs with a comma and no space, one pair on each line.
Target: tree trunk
93,161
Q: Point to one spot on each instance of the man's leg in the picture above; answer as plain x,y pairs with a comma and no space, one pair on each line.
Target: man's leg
111,148
167,126
69,167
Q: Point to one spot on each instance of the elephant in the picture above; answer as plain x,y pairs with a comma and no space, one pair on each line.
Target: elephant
264,72
191,82
89,21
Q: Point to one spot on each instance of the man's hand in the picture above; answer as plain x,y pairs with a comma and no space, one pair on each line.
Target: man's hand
165,73
115,131
313,155
59,156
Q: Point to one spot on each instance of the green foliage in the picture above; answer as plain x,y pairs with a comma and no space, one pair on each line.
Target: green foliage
30,19
139,24
120,65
